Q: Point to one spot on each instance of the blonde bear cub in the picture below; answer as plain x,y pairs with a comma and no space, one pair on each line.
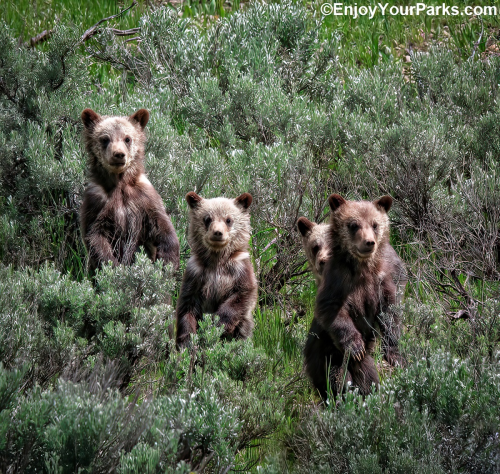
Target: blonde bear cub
219,276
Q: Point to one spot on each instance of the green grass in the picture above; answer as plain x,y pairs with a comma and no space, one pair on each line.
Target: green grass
363,42
366,42
28,18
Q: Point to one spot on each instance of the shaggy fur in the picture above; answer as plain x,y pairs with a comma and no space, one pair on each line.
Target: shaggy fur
219,276
317,247
121,210
357,288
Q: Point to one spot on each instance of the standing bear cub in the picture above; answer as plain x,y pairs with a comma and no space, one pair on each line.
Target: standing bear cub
121,210
357,288
219,276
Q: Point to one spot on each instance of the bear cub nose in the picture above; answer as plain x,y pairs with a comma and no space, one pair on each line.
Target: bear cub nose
118,158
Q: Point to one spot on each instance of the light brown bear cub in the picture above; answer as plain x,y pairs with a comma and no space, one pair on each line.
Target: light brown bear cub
121,210
316,241
357,288
219,276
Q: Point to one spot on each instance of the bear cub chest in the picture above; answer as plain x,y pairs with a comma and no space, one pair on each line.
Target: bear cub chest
217,284
366,302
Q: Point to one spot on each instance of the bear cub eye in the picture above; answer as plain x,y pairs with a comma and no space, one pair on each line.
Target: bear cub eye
375,225
127,139
315,249
353,226
229,221
207,221
104,141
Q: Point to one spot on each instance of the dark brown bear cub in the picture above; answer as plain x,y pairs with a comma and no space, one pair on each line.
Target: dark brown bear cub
219,276
121,210
357,288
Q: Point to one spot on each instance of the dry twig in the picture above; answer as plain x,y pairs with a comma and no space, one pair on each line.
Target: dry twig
46,34
94,29
40,38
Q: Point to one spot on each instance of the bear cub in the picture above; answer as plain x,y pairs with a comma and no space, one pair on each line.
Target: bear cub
357,287
121,210
219,276
317,247
316,243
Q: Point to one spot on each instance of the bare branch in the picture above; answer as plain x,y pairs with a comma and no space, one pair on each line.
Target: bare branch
135,38
40,38
94,29
476,44
204,462
130,32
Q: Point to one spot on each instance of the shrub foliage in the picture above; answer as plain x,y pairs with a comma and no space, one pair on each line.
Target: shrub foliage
257,101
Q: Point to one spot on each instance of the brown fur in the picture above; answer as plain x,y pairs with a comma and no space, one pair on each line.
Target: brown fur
317,247
121,210
219,276
357,288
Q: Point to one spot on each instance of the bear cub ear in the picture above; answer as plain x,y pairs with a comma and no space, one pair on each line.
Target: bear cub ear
244,200
141,117
193,199
385,202
305,226
335,201
90,118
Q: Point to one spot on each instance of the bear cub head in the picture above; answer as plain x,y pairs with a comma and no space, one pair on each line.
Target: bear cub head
219,224
359,227
316,242
115,143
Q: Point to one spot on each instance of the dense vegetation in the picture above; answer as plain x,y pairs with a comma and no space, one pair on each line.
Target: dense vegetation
265,100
